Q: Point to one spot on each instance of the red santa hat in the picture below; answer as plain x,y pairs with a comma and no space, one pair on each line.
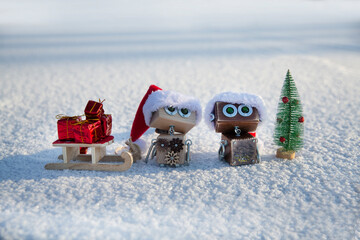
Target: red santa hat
154,99
160,99
139,127
235,98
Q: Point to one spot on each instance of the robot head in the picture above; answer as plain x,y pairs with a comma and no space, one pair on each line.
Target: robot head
227,116
167,109
235,112
182,120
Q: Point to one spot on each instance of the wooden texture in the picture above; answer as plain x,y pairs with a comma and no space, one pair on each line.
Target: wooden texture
281,153
161,120
97,153
224,124
71,152
87,158
135,150
240,150
162,152
125,157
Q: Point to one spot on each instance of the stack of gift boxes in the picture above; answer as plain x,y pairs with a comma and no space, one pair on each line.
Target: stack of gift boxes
95,127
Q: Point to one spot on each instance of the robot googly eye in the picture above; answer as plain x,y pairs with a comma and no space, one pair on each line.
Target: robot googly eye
184,112
229,110
170,110
212,117
245,110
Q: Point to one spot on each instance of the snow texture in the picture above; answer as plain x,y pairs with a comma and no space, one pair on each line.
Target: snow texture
55,56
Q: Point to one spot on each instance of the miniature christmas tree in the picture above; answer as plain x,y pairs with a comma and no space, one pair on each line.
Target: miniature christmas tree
289,127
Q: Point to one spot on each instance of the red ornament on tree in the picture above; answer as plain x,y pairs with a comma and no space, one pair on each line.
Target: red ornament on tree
301,119
285,99
282,139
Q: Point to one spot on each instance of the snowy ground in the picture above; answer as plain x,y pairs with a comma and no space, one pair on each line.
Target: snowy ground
55,66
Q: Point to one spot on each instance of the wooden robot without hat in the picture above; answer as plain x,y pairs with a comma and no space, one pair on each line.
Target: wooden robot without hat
172,115
236,116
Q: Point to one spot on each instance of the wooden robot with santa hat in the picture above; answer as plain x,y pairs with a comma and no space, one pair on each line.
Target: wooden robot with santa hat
236,116
172,115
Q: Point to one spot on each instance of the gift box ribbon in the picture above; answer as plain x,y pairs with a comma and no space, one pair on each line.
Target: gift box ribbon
95,103
67,118
81,131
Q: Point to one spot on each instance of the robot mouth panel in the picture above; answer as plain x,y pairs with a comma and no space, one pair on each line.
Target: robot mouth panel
227,126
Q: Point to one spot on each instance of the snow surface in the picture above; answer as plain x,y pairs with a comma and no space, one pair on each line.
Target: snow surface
56,56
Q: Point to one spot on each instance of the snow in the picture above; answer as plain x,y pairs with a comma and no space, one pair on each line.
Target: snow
56,56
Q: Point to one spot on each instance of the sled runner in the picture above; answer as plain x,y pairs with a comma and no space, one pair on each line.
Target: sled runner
71,152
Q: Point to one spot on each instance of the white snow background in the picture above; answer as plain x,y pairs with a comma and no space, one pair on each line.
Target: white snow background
56,55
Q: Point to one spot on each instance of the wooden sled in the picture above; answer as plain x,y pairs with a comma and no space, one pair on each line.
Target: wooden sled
71,152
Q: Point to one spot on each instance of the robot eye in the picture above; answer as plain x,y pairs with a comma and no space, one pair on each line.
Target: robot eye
229,110
170,110
184,112
245,110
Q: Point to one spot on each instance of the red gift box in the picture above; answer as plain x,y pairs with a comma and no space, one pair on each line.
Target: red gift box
88,131
94,110
106,122
65,126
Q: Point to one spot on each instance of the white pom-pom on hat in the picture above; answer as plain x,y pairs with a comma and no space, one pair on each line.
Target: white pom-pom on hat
235,98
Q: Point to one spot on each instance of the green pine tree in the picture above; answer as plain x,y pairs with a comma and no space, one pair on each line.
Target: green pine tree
289,127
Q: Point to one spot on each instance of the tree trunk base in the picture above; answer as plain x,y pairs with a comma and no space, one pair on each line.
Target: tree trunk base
281,153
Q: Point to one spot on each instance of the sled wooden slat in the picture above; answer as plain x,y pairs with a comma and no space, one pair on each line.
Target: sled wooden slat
87,158
71,152
125,157
86,166
103,142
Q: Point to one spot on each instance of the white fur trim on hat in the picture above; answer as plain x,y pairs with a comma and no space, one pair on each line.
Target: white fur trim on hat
160,99
235,98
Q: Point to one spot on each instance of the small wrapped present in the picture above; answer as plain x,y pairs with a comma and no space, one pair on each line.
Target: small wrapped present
83,150
88,131
106,122
65,126
94,110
